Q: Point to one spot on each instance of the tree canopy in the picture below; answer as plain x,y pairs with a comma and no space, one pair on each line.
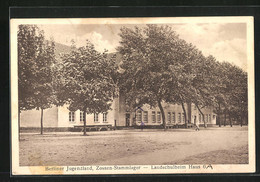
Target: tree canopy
160,67
85,80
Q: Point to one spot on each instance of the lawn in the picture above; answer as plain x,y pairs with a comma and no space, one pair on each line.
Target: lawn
214,145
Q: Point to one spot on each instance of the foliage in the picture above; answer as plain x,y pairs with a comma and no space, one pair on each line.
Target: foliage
160,67
86,80
152,58
35,63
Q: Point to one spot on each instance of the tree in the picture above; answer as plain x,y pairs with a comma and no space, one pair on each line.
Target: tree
30,39
35,60
235,83
43,79
226,90
204,83
189,79
160,67
87,80
152,59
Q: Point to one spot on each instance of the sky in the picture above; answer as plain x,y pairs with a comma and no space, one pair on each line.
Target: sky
225,41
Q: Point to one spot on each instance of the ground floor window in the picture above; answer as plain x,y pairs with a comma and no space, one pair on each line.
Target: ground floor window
139,116
153,117
105,117
206,118
158,117
209,118
71,116
179,117
183,117
96,117
82,116
199,117
145,116
173,117
169,117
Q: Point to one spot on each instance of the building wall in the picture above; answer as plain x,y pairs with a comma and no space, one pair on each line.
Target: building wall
32,118
59,116
209,115
175,113
63,117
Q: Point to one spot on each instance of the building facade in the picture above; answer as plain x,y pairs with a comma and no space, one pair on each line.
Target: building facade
61,117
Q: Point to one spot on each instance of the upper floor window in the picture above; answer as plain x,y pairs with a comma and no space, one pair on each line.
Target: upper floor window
71,116
96,117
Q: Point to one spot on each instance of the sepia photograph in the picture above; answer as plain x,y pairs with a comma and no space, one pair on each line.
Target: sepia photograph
132,95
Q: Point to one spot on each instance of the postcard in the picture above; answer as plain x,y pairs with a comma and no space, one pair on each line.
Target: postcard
96,96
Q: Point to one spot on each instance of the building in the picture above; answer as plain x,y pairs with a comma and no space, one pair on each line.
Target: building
61,117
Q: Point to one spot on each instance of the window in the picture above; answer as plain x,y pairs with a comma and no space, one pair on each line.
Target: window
173,117
153,117
71,116
209,118
145,116
139,116
183,118
96,117
199,117
105,117
169,117
206,118
179,117
158,117
82,116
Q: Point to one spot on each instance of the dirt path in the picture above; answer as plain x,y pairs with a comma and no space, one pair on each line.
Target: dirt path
127,146
192,143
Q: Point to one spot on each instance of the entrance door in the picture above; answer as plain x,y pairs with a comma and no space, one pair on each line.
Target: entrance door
127,119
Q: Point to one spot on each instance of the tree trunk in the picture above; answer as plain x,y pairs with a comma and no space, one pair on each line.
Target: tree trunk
219,120
19,125
203,118
230,120
84,120
163,115
41,121
204,121
225,118
184,110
